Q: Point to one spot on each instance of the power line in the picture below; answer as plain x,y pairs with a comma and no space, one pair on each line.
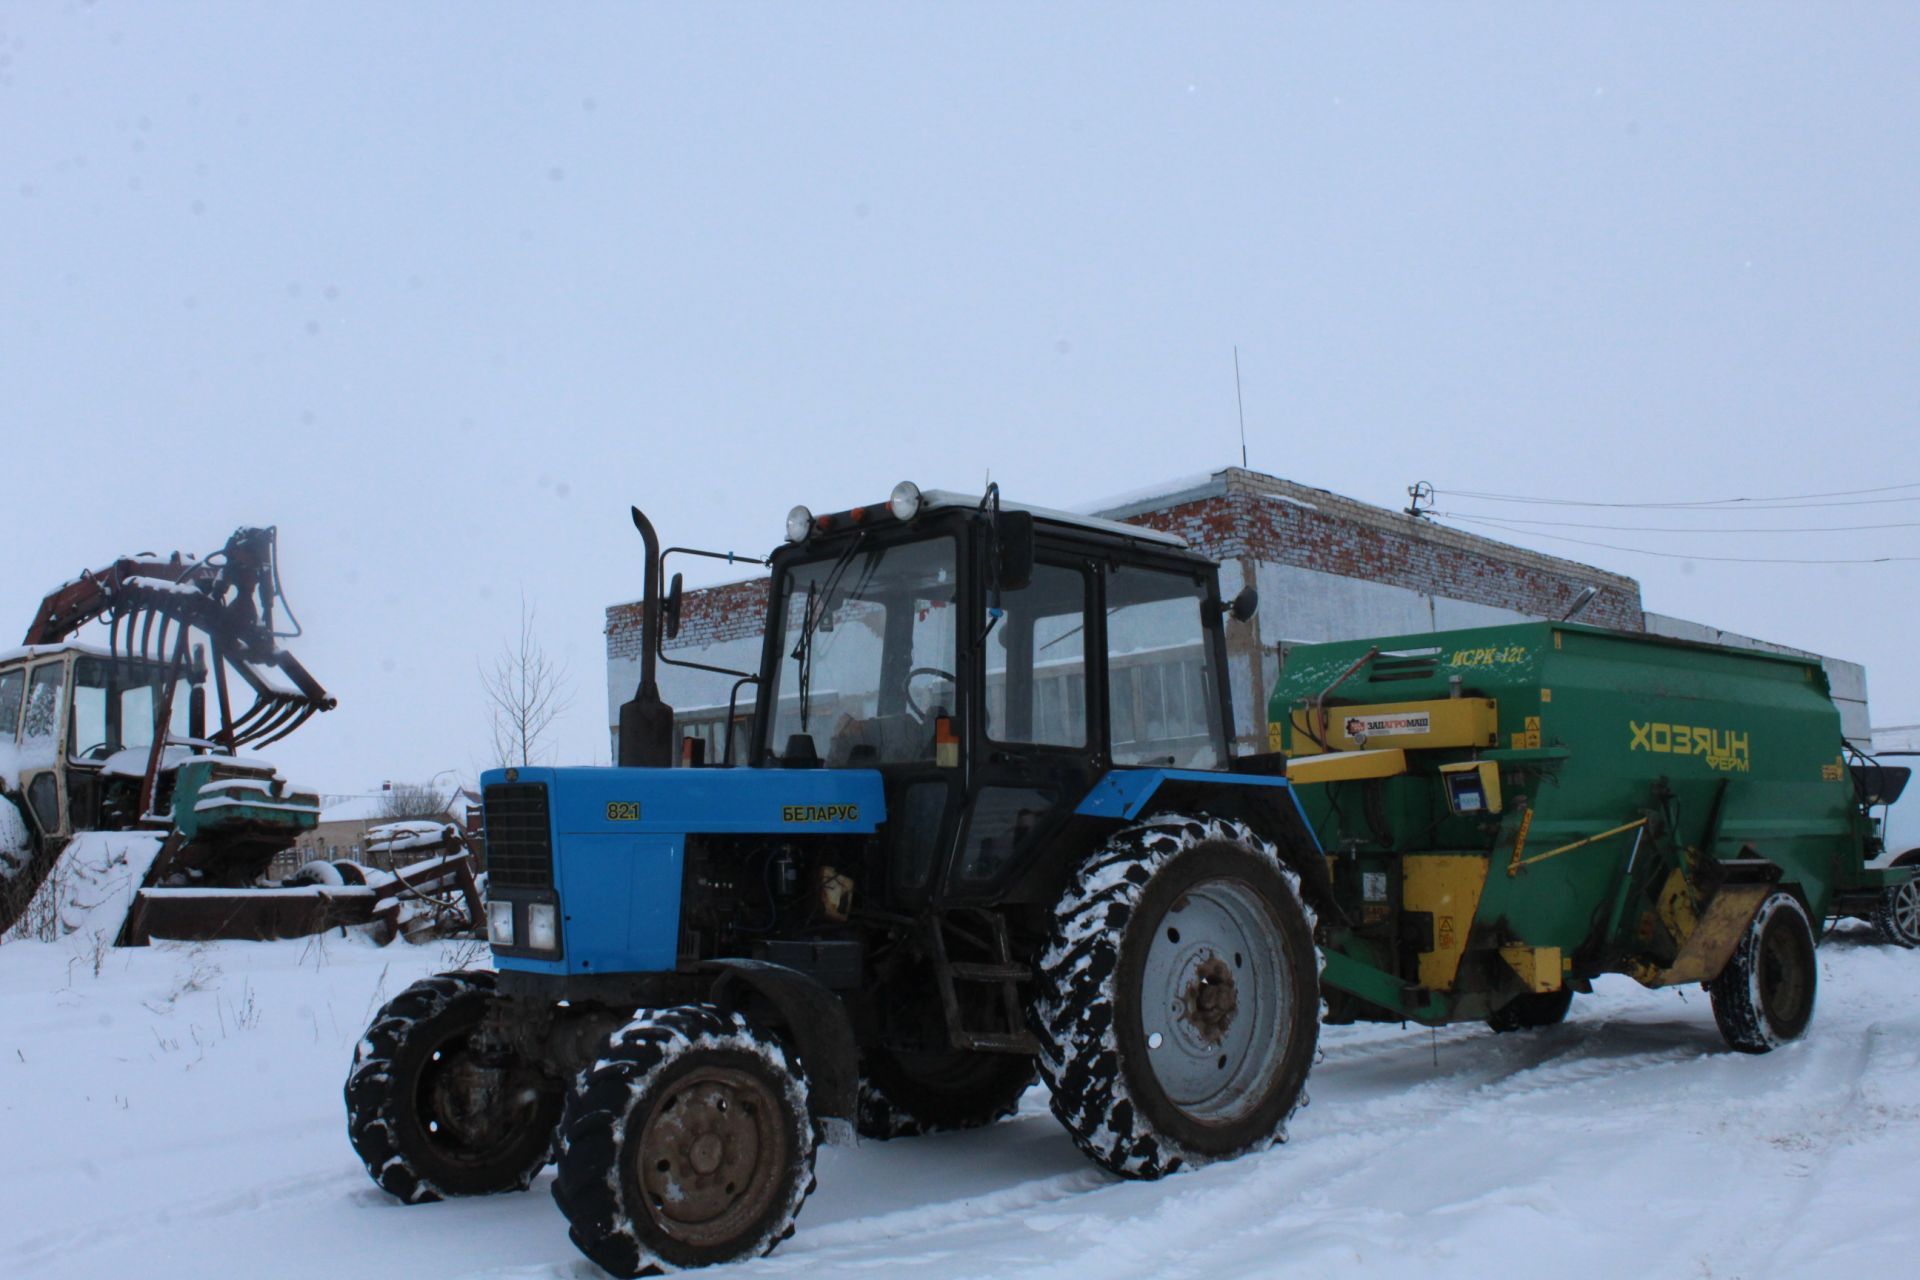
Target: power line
1661,528
1680,555
1793,499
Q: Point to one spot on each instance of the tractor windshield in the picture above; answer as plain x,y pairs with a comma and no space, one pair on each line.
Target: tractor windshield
867,639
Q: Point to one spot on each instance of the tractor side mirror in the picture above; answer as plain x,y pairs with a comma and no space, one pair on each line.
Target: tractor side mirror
1013,548
670,620
1246,604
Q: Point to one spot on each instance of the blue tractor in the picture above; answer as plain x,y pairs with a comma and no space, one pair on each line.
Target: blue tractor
989,824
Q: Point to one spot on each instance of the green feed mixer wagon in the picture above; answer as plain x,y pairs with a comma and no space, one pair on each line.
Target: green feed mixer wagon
1509,812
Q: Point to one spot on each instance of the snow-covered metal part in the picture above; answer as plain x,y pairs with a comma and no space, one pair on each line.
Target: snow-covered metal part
137,753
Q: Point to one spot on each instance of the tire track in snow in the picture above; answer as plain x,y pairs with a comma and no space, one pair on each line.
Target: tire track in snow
62,1244
1759,1247
1121,1242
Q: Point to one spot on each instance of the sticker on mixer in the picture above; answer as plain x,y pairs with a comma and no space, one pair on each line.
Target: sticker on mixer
1390,725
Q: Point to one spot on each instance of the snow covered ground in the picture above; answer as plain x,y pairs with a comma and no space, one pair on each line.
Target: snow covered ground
175,1112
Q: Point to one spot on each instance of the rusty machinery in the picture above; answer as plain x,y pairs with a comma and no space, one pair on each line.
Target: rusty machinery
120,738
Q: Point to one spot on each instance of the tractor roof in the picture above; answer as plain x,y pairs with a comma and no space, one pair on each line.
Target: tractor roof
933,499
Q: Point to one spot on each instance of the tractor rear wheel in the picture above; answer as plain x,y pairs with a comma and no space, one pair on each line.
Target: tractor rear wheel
689,1143
1896,917
905,1094
1533,1010
435,1112
1764,997
1178,1001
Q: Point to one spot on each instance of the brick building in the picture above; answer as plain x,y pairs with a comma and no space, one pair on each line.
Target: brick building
1327,567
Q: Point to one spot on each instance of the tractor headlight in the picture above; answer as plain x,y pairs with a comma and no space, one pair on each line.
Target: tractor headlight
500,923
905,502
799,524
543,926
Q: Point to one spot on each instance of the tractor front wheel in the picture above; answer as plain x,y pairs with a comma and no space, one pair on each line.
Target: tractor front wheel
689,1143
1178,999
1764,997
434,1110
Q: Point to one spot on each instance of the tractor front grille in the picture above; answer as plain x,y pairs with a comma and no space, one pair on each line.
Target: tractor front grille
519,836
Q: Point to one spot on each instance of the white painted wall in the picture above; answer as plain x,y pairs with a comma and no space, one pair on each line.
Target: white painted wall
1303,606
1848,680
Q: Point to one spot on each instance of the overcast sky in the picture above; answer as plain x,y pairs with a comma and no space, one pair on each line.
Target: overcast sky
440,289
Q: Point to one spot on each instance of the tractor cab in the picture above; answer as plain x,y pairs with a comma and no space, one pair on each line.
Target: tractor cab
992,663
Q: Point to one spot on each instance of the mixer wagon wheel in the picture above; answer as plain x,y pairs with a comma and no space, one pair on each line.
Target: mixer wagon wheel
434,1110
1764,997
1177,1001
689,1143
906,1094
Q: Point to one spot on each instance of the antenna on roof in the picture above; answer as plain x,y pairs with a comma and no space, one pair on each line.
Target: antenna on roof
1422,494
1241,404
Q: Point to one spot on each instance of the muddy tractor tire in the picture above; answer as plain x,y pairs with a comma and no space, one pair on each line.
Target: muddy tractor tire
434,1112
1178,1000
1532,1011
1896,917
689,1143
903,1095
1765,995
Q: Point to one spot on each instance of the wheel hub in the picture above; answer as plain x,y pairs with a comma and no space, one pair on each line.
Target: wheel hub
1215,1006
470,1108
708,1156
706,1153
1783,984
1211,999
467,1100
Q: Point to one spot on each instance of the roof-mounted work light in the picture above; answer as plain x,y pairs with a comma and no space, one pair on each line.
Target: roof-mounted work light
905,502
799,524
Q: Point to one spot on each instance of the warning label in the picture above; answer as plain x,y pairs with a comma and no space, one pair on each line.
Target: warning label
1393,724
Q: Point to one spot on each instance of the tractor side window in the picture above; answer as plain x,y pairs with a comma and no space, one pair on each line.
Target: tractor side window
13,688
90,736
1162,706
41,725
136,716
1037,662
140,713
